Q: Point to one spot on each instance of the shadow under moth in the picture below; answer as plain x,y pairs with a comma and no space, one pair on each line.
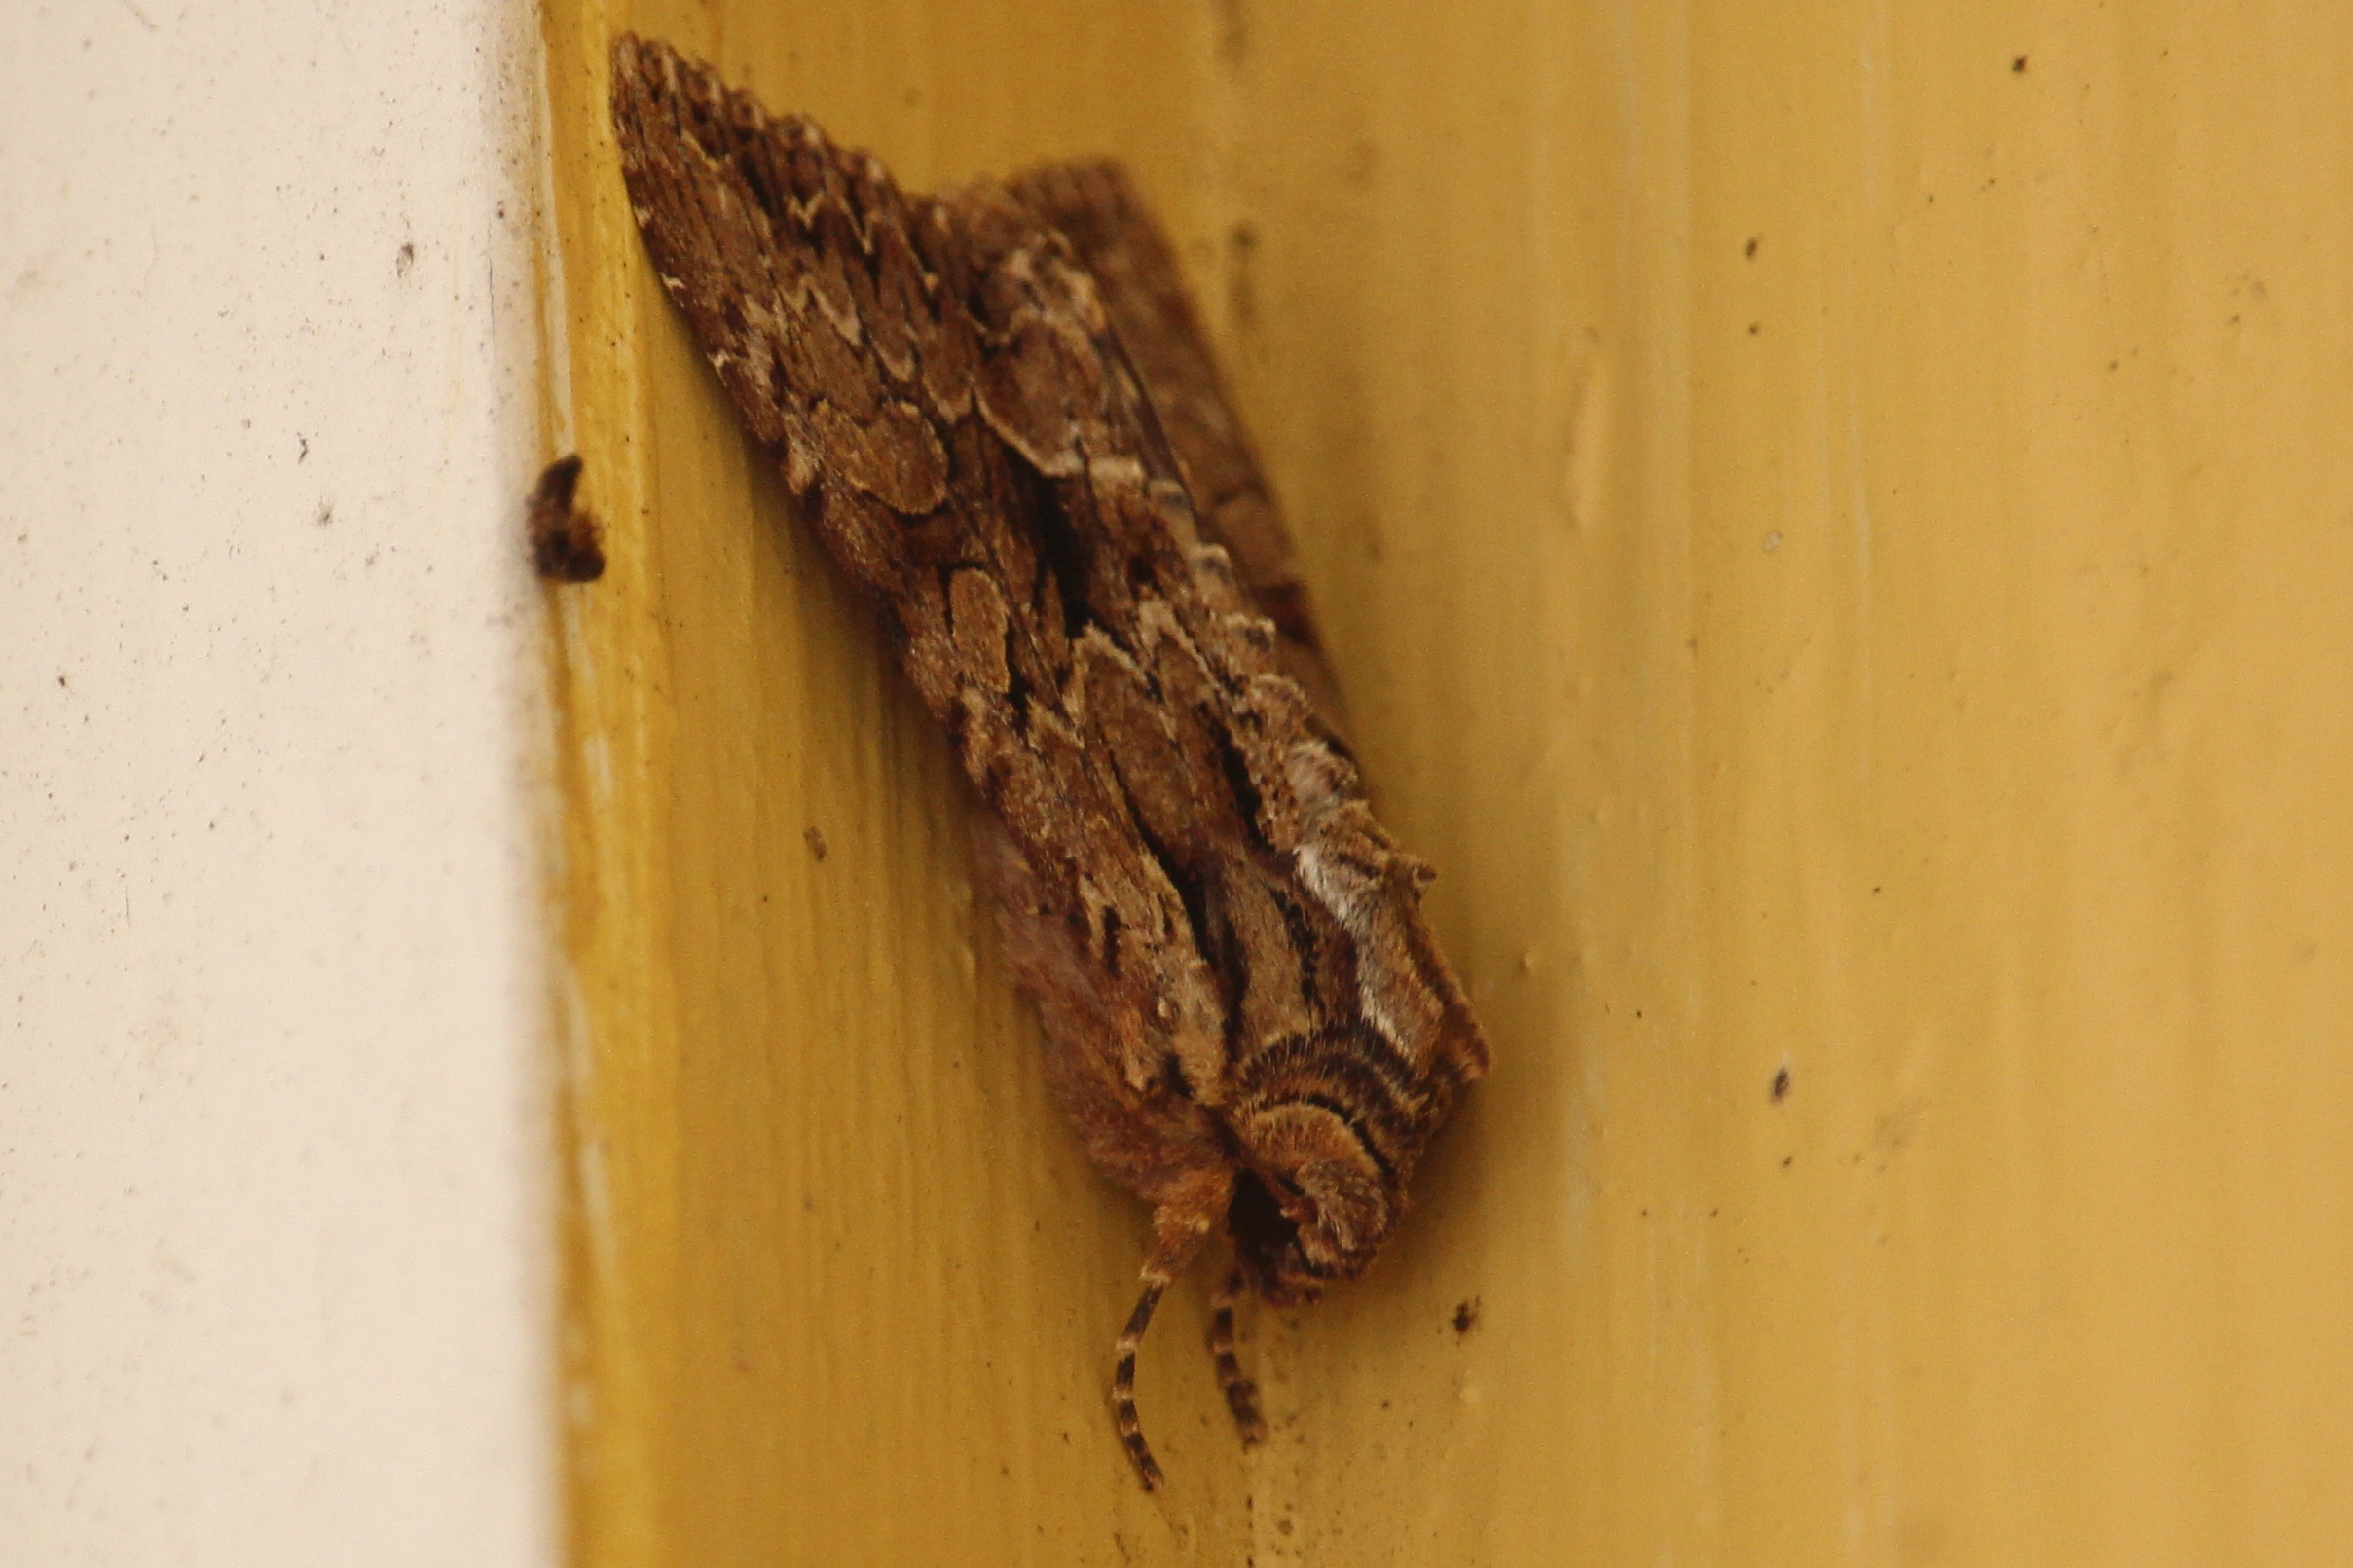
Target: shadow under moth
996,407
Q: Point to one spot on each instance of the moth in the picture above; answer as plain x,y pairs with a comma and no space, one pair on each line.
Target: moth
994,406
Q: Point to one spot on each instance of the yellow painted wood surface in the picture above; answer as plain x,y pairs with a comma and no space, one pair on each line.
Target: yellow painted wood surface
1837,526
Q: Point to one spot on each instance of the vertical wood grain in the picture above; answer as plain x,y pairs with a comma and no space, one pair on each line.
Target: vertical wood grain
1834,523
1911,652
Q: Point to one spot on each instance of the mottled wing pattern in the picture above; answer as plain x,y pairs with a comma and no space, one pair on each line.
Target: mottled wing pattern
1247,1019
1096,208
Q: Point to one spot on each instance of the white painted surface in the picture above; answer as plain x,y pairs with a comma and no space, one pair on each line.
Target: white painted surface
275,1256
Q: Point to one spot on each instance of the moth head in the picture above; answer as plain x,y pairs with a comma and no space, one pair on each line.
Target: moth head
1311,1205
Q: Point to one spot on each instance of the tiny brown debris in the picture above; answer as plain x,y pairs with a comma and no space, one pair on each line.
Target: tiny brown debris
565,546
816,842
1466,1317
1780,1085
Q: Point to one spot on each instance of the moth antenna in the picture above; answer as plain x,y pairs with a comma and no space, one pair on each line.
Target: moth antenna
1123,1374
1177,1230
1241,1393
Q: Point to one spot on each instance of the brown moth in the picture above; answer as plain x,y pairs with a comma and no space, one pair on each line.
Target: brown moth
995,407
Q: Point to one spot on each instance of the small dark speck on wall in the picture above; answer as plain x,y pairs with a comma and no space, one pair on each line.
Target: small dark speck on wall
1780,1085
1241,290
2018,65
816,842
566,545
1466,1316
404,259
